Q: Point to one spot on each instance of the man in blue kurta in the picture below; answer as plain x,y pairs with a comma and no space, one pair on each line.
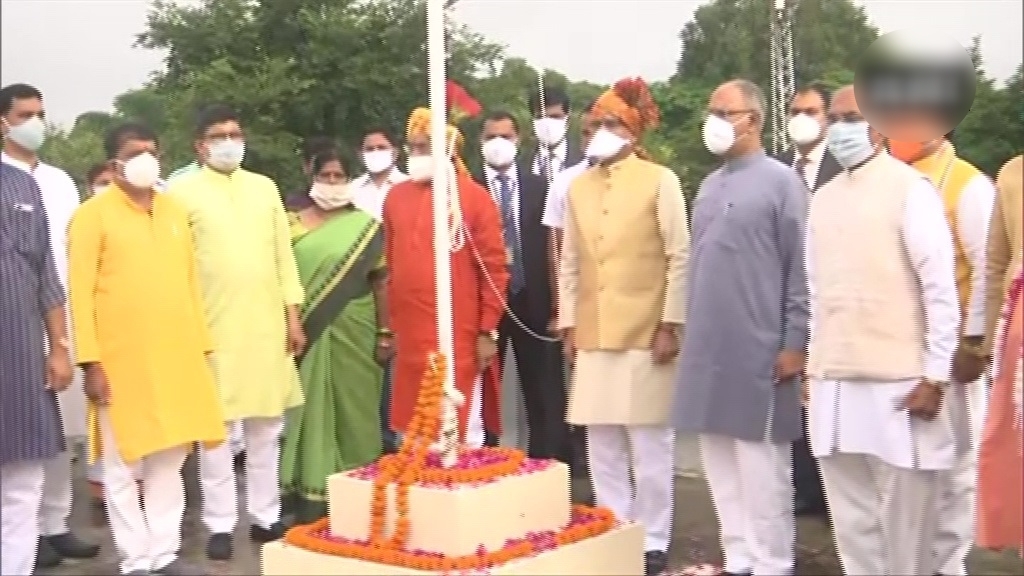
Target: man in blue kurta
32,313
746,334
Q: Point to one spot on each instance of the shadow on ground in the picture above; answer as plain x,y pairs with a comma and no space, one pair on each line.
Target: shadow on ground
694,539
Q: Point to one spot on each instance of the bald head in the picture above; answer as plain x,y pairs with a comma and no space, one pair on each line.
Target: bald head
741,103
844,103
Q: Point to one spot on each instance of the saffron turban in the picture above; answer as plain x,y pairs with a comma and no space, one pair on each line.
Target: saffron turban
419,125
631,102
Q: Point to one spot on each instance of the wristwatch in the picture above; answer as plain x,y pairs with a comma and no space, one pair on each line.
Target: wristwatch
940,385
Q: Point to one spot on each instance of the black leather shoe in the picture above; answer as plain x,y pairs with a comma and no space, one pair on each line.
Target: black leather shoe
264,535
46,556
655,562
220,547
69,546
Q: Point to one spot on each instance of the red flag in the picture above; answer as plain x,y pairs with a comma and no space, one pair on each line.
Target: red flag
460,104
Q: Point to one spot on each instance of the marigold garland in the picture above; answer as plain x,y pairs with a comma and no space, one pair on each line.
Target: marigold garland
408,467
587,523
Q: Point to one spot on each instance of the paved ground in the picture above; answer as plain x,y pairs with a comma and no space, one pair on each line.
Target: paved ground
694,539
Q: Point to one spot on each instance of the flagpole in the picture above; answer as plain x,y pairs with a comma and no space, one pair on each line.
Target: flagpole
438,145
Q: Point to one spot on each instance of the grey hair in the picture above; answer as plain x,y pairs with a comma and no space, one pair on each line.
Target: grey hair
753,95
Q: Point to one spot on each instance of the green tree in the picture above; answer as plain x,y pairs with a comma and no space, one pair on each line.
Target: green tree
294,68
993,131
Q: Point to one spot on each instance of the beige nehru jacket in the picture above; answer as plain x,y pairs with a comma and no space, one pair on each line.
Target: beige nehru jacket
623,265
1005,243
868,320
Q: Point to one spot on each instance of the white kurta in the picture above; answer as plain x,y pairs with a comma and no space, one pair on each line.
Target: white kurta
839,411
558,195
369,197
60,199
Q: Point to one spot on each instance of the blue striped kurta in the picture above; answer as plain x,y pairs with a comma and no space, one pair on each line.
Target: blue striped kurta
30,426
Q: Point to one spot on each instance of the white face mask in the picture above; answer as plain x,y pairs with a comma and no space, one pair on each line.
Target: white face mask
719,135
499,152
226,155
550,131
803,129
142,171
604,145
30,134
378,161
420,168
331,196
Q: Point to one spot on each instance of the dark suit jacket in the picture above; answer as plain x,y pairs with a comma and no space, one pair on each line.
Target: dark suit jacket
533,191
828,170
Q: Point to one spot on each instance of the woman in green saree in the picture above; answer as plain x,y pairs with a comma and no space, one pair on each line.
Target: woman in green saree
339,251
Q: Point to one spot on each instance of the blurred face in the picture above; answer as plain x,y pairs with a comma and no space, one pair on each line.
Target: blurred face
216,134
332,172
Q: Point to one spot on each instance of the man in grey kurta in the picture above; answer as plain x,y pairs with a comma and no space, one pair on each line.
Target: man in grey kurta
746,334
31,297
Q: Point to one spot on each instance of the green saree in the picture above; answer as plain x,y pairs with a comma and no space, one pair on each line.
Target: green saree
338,427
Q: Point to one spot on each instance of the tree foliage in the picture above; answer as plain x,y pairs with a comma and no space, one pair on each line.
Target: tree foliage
296,68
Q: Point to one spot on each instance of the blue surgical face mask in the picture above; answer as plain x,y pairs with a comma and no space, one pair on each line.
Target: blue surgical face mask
226,155
850,143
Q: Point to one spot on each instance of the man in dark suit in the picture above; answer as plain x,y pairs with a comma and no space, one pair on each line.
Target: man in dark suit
520,196
811,159
551,125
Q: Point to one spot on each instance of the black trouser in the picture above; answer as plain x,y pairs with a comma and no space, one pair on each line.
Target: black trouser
806,475
541,380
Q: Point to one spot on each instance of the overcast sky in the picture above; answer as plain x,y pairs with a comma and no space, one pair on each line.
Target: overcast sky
78,52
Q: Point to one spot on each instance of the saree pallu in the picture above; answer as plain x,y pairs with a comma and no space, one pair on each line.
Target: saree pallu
338,428
1001,455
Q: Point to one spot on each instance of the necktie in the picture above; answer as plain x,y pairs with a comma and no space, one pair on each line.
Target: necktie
511,235
801,169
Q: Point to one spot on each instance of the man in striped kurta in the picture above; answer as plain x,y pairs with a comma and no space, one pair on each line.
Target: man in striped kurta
31,298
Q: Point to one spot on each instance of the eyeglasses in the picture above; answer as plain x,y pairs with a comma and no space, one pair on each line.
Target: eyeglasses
848,117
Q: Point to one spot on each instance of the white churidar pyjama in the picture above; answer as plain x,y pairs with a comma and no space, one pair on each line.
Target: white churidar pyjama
752,490
262,477
147,533
861,489
617,452
21,486
56,505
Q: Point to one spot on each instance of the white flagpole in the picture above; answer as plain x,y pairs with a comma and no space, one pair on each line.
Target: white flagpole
442,240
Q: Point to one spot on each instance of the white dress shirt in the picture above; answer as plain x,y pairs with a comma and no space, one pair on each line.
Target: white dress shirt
862,417
560,153
60,200
558,195
368,197
814,158
494,187
973,213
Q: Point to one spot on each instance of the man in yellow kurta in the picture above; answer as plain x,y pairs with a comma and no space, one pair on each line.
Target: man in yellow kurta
620,306
140,338
252,291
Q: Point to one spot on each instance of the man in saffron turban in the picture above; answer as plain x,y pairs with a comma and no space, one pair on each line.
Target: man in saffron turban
620,312
479,269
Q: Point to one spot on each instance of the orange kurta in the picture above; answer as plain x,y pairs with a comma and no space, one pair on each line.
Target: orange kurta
1001,456
409,246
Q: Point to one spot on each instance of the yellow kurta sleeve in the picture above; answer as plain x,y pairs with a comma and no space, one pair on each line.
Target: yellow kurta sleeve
675,234
203,330
85,237
996,262
568,271
287,269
